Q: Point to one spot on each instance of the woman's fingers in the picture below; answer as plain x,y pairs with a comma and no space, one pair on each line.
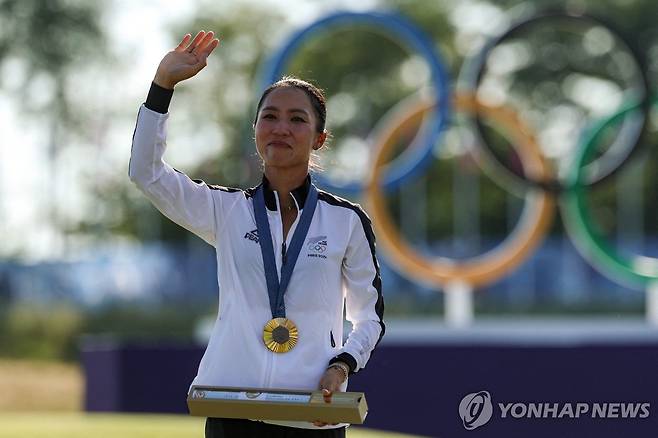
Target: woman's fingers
326,394
205,46
201,46
181,46
195,42
208,48
204,42
186,60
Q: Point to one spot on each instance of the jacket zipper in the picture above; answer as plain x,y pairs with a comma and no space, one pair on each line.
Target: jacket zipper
283,253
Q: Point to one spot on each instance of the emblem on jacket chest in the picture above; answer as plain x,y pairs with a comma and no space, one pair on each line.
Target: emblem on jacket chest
316,246
252,235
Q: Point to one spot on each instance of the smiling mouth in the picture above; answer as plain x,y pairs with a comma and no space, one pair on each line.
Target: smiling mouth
279,144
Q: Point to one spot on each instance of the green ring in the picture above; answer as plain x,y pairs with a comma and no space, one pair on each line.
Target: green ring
635,270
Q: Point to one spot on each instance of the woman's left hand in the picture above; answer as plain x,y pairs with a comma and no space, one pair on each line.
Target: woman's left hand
329,383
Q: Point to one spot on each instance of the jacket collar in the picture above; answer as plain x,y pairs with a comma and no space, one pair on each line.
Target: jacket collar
298,193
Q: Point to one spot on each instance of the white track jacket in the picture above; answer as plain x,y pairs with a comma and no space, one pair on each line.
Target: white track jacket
337,266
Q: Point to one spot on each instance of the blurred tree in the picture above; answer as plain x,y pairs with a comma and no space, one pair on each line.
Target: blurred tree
43,44
365,73
51,39
222,96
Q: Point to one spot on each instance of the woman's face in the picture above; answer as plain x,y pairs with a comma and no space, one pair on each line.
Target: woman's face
286,129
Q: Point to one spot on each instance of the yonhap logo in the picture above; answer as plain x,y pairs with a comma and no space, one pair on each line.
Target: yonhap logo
475,409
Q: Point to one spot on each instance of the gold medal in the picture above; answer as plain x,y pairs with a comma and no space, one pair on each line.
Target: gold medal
280,335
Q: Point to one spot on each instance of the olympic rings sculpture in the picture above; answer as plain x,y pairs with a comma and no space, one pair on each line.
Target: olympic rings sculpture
414,159
603,167
529,232
541,186
583,232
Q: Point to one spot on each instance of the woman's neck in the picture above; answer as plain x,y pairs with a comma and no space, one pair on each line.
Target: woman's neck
285,180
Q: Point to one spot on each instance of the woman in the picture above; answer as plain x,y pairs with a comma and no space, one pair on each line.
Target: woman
283,238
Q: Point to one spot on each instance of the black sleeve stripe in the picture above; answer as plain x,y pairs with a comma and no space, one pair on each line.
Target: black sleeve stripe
132,144
370,235
377,280
251,192
210,186
217,187
157,100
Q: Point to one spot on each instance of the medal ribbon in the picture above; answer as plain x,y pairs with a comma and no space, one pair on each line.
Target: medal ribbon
276,289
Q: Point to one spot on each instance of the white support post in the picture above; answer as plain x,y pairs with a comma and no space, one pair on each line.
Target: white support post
458,303
652,303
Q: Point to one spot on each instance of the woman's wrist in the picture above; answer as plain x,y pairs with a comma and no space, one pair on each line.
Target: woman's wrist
164,82
342,368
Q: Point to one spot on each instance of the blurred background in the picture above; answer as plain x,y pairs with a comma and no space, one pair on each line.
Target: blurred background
84,255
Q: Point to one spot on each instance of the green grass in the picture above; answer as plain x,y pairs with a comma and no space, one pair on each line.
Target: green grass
44,399
81,425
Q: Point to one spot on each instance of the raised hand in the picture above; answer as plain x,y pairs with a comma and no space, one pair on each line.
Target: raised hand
186,60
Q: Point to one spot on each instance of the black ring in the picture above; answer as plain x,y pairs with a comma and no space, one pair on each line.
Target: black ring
474,76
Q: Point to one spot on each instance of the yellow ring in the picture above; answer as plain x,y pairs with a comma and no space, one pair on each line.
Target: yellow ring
492,265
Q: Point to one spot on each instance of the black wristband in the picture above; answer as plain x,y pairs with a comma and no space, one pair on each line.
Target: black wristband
158,98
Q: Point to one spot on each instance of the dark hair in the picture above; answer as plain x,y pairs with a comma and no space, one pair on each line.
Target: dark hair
315,95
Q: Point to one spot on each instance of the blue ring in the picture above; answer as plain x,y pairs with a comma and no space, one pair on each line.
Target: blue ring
402,29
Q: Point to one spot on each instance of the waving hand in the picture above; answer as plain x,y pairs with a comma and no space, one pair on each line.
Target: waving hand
186,60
